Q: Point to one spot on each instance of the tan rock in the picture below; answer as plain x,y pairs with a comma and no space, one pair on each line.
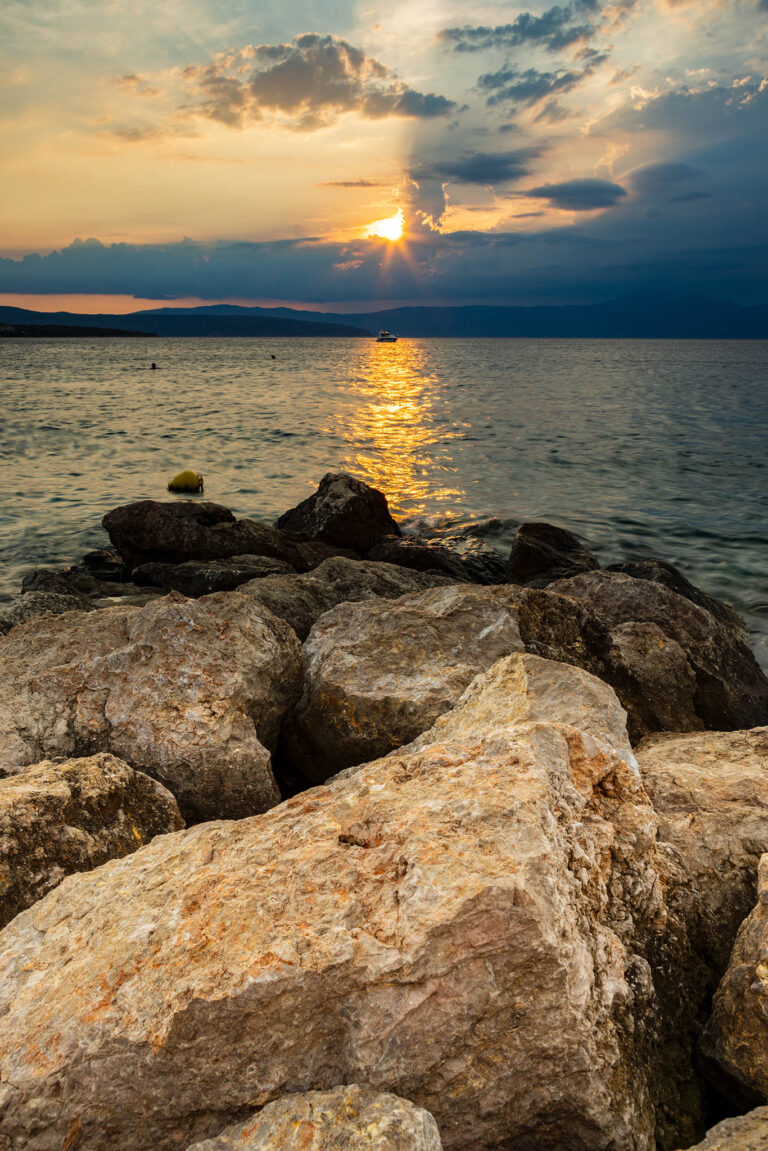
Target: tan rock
58,818
301,599
462,924
190,691
344,1119
744,1133
734,1046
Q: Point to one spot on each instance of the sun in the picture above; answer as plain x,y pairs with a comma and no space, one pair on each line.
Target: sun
389,229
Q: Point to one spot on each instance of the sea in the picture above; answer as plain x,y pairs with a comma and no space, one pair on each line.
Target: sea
640,447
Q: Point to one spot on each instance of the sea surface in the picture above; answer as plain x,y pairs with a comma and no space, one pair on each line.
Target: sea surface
642,447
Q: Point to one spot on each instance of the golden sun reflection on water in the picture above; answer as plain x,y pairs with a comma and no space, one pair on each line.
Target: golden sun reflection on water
397,439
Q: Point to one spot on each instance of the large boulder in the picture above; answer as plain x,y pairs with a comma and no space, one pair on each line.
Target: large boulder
743,1133
343,511
58,818
734,1046
37,603
192,692
378,674
693,670
301,599
710,793
465,560
542,552
659,571
203,577
462,925
150,531
344,1119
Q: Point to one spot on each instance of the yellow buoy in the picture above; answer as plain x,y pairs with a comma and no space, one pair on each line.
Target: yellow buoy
187,481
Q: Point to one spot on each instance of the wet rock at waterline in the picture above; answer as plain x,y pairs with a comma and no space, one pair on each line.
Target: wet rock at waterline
462,925
37,603
60,818
542,553
202,577
691,669
191,691
343,511
344,1119
464,560
301,599
734,1047
659,571
154,532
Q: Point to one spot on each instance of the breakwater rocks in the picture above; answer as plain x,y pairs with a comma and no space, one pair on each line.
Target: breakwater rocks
527,867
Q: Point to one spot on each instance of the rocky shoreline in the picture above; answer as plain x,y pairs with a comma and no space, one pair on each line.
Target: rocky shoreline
316,835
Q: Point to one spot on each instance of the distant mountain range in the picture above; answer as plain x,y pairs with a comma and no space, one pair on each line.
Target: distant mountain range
648,316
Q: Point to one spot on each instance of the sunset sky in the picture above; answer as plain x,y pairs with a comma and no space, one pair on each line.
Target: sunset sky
241,150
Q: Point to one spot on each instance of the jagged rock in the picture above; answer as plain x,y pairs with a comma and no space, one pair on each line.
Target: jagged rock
744,1133
734,1046
462,925
301,599
104,564
152,532
58,818
378,674
345,1119
80,584
190,691
37,603
464,560
53,581
199,577
343,511
710,792
542,553
692,670
659,571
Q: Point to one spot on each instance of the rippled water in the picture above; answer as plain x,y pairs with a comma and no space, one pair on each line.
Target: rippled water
642,447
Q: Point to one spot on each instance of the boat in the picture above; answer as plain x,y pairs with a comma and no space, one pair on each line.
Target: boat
385,337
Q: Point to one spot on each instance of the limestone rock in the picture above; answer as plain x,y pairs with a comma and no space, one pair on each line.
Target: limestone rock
710,793
345,1119
692,670
734,1047
34,604
665,573
343,511
149,531
462,925
744,1133
202,577
464,560
190,691
301,599
542,553
58,818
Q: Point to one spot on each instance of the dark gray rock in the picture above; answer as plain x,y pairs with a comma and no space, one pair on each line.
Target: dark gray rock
37,603
691,671
659,571
200,577
104,564
542,553
464,560
300,600
150,531
343,511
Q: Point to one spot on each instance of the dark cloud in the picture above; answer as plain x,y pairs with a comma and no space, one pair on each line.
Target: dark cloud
663,179
554,30
580,195
479,167
312,81
352,184
528,87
